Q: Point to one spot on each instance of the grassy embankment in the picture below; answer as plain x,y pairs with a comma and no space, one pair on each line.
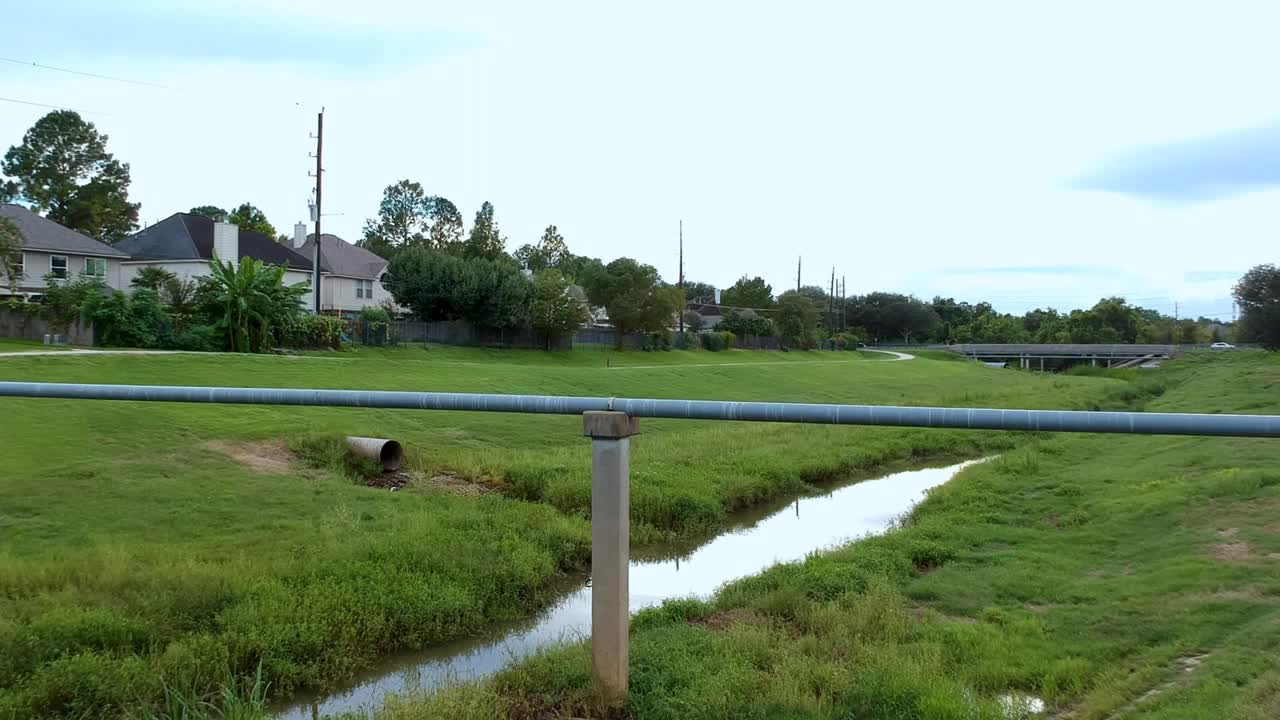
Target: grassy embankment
136,554
10,345
1112,576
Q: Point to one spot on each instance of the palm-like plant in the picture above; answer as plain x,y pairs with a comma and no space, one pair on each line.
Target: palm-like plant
152,278
255,302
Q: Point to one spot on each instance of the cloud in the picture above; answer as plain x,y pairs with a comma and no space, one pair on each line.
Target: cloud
1194,170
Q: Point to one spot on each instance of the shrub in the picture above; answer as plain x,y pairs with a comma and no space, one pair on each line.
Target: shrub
849,340
200,338
374,325
315,331
658,340
717,341
745,322
139,320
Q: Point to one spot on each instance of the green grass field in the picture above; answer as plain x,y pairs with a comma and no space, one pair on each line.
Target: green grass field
1114,577
138,557
10,345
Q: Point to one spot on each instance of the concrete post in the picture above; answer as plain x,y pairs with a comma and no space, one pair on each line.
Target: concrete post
610,546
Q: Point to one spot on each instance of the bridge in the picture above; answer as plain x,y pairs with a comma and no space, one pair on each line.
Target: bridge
1117,355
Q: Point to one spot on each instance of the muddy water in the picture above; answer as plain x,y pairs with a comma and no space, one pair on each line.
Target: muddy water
753,541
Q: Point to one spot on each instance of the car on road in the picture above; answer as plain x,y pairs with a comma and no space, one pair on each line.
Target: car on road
1222,346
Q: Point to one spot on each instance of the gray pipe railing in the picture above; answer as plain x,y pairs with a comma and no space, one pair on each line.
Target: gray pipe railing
928,417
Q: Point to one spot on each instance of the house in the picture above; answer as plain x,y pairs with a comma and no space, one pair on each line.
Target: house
710,312
355,275
50,248
184,243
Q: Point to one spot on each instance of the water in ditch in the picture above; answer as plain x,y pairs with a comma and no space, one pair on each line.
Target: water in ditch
753,540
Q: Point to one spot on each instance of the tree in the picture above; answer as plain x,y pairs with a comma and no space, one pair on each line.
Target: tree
249,217
408,217
65,301
440,286
10,252
550,252
254,303
797,320
635,298
891,315
1258,294
699,291
694,321
63,170
742,322
446,225
152,278
753,293
212,212
484,241
554,312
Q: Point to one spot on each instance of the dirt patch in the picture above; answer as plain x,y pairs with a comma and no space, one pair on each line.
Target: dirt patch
1231,552
450,483
269,457
392,481
1229,532
727,618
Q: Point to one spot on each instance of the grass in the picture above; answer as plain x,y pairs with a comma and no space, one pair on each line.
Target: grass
8,345
1114,577
136,556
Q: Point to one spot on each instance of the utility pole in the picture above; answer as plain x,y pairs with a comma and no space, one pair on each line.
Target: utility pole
843,304
798,274
315,269
831,301
681,282
1177,331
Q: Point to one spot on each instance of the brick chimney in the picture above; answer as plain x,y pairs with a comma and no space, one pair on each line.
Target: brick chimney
299,235
226,242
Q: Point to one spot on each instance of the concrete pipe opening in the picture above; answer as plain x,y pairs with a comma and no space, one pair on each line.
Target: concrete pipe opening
387,452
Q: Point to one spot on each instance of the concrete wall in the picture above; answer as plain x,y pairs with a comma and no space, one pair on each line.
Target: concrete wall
36,266
31,327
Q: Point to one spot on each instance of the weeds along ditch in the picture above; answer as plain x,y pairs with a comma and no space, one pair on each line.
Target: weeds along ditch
139,557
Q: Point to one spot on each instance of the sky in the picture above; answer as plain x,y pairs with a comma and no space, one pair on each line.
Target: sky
1021,153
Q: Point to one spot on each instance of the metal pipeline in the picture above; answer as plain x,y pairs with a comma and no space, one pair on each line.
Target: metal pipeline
931,417
387,452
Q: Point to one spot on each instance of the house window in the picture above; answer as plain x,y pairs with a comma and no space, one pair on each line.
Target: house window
364,289
58,266
17,266
95,267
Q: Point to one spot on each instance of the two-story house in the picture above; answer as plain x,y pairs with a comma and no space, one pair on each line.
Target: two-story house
354,275
48,248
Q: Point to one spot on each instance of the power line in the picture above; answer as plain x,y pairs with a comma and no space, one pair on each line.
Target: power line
85,74
52,107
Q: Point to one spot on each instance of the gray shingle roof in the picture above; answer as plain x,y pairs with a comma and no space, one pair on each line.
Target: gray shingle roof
342,258
183,236
42,234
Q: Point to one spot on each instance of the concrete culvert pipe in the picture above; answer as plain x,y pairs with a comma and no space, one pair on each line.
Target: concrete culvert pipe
387,452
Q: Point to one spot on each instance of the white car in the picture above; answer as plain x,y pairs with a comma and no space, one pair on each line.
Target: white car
1222,346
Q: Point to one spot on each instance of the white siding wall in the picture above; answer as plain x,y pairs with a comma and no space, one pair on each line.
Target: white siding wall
36,266
339,293
190,269
292,277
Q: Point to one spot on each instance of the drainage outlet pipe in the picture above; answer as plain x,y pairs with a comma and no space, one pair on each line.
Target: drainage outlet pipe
387,452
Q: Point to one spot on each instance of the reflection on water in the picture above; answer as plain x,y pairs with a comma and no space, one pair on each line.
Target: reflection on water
754,541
